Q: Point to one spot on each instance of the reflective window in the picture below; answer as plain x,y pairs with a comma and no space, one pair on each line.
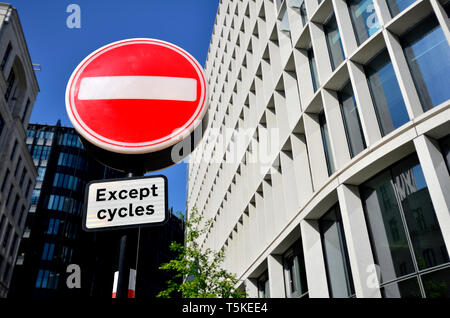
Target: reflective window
445,146
386,96
326,143
340,281
397,6
312,67
403,289
294,271
428,55
404,232
364,19
334,42
352,124
263,286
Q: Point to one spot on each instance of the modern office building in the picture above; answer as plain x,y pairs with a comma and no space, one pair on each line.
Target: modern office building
53,237
325,166
18,91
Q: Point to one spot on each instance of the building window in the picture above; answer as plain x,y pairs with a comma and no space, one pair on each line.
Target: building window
35,196
386,96
5,180
9,84
397,6
352,124
13,151
6,56
19,161
364,19
294,271
2,124
326,143
47,253
445,146
339,276
6,237
333,38
303,13
428,55
263,286
312,67
399,195
25,111
41,173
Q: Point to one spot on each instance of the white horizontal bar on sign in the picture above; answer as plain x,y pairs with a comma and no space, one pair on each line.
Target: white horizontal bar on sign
138,87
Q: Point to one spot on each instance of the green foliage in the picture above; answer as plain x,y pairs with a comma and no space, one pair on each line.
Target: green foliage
198,269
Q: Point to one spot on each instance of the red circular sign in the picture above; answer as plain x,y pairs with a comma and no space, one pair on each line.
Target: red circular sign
137,96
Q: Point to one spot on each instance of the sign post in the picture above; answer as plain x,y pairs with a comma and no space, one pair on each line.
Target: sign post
138,105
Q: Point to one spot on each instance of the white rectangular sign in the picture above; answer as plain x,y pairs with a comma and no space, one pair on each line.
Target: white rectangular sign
124,203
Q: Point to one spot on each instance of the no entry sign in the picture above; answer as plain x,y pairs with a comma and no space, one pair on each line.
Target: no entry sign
137,96
125,203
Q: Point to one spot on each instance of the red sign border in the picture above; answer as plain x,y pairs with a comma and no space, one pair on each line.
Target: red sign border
134,148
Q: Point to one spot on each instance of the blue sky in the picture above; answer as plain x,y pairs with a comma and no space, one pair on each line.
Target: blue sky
59,49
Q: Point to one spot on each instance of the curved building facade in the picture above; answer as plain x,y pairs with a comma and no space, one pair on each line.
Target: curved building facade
326,163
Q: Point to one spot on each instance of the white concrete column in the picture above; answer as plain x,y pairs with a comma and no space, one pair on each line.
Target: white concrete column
438,181
251,287
316,275
366,109
360,254
345,27
404,77
276,277
338,138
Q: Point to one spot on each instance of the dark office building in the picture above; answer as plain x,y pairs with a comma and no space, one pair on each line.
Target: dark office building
53,237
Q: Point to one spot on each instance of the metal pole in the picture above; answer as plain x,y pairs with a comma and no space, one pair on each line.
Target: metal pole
124,262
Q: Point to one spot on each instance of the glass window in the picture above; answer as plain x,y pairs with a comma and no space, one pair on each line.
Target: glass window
2,124
294,271
386,96
9,84
6,56
445,146
303,13
35,196
313,68
284,24
6,237
334,42
5,180
404,232
41,173
437,284
326,143
403,289
428,55
340,281
263,286
13,151
39,278
364,19
397,6
352,124
25,111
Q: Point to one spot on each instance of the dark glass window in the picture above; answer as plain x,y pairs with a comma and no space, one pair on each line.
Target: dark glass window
5,180
352,124
303,13
326,143
263,286
294,271
364,19
397,6
2,124
312,67
386,96
339,276
6,56
25,111
9,84
428,55
403,289
6,237
334,42
404,232
445,146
